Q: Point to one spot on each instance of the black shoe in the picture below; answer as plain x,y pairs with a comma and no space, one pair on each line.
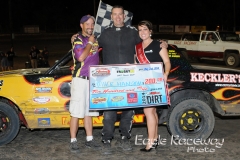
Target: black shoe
155,143
92,144
125,144
154,146
107,149
146,150
74,147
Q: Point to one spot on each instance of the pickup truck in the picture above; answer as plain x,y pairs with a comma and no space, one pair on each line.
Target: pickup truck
214,45
39,98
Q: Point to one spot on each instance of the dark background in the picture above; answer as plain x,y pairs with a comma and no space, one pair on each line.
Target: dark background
63,16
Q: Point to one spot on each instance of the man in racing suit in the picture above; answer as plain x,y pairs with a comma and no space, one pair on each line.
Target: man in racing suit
118,43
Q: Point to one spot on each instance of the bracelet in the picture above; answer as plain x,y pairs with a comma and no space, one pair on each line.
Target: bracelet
167,73
89,42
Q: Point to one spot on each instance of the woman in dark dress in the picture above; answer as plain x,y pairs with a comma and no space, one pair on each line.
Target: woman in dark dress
149,51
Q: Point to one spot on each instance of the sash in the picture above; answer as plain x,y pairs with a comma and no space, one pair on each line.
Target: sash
140,54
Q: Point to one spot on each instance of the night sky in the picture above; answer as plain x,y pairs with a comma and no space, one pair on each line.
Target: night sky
52,15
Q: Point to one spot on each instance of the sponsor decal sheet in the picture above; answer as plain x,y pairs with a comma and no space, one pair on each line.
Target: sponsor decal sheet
127,86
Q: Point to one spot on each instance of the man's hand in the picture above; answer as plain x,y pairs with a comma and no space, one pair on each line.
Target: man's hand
74,37
163,44
91,39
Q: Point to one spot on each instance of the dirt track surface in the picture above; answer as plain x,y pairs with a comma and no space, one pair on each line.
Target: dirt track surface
53,145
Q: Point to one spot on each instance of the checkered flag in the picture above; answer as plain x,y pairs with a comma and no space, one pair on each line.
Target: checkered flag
103,18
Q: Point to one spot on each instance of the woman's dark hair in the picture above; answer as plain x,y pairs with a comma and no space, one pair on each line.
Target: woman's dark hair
146,23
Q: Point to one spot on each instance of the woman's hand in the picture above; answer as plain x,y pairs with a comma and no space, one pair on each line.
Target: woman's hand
165,77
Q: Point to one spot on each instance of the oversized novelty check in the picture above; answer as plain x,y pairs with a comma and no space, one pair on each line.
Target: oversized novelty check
127,86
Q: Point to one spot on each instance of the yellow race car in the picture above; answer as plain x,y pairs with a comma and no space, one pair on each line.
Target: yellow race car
38,98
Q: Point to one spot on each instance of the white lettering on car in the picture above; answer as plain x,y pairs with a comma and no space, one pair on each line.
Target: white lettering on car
214,77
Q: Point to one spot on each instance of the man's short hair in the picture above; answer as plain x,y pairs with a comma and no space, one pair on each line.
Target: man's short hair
117,6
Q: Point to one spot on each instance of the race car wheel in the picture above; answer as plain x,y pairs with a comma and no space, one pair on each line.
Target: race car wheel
191,118
232,60
9,123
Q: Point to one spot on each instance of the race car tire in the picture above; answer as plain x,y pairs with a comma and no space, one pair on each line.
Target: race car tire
232,60
190,118
9,123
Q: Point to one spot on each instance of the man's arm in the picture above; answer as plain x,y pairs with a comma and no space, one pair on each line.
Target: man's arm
163,44
164,54
82,53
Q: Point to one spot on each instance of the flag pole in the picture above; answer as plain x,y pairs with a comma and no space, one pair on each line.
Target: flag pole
94,7
97,16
